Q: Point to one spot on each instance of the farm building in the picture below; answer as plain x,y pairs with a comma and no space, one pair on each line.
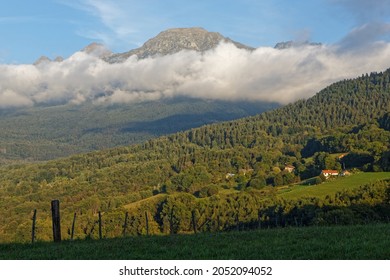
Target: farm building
230,175
328,173
289,168
345,173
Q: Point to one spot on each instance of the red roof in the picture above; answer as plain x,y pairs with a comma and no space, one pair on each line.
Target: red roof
330,171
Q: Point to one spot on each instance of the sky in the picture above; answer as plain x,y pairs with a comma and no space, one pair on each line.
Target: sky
355,35
29,29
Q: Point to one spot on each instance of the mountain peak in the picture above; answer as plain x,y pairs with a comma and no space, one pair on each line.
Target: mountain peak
175,40
97,49
42,60
294,44
185,30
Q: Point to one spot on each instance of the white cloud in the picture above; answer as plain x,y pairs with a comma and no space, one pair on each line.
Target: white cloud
226,73
11,99
362,37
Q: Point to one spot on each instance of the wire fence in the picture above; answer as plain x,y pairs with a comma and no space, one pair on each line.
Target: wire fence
121,224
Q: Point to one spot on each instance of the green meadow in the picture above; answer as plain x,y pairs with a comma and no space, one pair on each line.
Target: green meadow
357,242
333,186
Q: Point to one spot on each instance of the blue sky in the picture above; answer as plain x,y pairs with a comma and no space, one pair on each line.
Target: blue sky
29,29
355,36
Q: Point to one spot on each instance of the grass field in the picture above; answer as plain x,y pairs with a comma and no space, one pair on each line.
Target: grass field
333,185
337,242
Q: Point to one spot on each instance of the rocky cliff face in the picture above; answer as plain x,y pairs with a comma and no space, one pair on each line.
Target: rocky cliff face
174,40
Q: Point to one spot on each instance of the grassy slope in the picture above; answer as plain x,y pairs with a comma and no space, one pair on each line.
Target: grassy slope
153,200
333,186
341,242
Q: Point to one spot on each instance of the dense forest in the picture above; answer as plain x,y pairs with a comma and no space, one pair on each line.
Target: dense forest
221,174
58,130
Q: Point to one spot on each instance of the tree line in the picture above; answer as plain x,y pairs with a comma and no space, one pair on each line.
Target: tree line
182,213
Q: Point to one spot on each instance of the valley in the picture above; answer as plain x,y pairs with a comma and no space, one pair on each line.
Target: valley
193,137
221,176
54,131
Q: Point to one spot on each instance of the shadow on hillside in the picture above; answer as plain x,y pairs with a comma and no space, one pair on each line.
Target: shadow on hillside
176,123
313,215
209,112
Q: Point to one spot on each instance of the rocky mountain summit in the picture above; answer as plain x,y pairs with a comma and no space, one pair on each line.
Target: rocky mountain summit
94,49
175,40
97,49
44,60
294,44
167,42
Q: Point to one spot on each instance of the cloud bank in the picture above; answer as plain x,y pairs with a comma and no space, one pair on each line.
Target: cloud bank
225,73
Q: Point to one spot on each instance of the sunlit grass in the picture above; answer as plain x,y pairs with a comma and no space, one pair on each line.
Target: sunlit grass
333,186
336,242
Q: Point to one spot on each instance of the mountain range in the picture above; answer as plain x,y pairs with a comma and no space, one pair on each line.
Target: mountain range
167,42
58,129
172,41
175,40
61,128
181,164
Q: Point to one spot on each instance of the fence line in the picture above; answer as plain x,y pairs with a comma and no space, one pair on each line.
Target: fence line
233,221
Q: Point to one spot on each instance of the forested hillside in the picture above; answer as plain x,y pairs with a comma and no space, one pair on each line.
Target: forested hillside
53,131
224,172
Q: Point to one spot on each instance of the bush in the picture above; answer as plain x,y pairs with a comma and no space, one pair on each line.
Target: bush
207,191
317,180
257,182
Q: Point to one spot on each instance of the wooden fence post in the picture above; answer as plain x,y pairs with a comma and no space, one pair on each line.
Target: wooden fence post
34,218
73,225
193,220
147,222
100,225
125,224
171,230
259,219
55,214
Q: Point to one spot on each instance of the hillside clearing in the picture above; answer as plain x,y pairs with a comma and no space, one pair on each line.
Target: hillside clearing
333,186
